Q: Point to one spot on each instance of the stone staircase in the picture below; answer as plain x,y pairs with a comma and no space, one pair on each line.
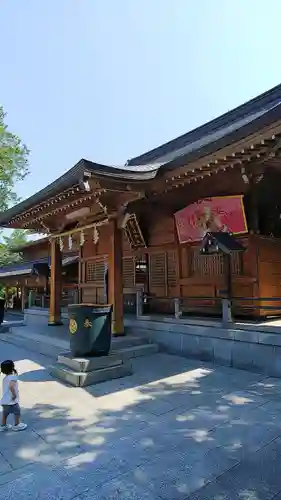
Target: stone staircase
81,372
6,326
33,342
131,346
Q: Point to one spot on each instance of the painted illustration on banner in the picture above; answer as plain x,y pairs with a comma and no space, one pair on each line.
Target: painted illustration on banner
219,214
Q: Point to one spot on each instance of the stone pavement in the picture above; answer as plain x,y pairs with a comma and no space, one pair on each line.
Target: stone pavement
175,430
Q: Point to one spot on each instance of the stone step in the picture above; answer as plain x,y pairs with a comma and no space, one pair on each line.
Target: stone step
128,341
7,326
32,334
117,342
4,328
126,347
89,364
36,347
137,351
83,379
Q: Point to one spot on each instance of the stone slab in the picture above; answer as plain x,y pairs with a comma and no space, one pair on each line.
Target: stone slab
4,329
244,349
136,351
89,364
83,379
134,445
115,358
4,465
105,374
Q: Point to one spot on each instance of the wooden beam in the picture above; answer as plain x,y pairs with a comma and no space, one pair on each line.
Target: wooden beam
253,208
55,284
115,278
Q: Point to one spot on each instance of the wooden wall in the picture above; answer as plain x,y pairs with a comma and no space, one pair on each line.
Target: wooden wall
180,271
36,251
92,268
269,273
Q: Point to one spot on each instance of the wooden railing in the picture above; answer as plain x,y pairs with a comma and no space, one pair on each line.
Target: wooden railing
69,296
226,308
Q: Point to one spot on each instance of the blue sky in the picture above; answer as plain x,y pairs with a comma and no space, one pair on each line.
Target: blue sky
109,79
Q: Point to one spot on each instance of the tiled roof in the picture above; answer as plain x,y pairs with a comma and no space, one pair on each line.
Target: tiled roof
213,136
74,176
223,127
21,268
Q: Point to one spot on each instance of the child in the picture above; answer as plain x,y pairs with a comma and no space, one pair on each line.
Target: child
10,397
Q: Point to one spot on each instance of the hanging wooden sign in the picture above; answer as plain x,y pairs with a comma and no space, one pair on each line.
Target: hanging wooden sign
134,233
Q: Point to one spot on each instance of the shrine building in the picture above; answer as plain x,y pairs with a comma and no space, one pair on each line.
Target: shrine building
29,275
136,230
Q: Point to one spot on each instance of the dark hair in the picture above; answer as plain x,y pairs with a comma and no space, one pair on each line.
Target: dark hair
8,367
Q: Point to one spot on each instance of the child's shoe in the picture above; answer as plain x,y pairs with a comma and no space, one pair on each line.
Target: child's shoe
19,427
4,428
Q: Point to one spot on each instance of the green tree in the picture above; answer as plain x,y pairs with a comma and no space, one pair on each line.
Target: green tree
9,245
13,163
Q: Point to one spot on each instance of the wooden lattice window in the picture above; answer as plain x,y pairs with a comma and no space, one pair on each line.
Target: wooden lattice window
163,269
95,271
157,270
236,263
213,265
128,272
171,261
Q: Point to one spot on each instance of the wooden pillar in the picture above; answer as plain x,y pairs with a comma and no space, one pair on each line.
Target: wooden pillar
55,284
23,298
115,278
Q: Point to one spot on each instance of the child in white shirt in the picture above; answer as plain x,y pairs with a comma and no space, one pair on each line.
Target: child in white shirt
10,397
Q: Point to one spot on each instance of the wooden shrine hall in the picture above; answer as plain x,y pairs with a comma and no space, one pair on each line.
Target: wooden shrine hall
139,227
29,275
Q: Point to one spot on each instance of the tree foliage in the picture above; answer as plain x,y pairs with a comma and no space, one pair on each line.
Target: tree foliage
13,163
9,244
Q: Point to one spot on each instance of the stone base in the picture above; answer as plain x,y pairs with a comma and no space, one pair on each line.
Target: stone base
4,329
38,316
249,347
81,372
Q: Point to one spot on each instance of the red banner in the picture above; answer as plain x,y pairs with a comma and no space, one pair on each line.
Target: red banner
225,213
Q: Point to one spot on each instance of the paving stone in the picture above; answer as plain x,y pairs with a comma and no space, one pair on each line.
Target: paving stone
241,438
10,440
43,485
4,465
182,420
277,497
156,407
63,482
269,388
173,483
184,473
256,477
245,481
20,456
273,407
122,489
178,429
243,398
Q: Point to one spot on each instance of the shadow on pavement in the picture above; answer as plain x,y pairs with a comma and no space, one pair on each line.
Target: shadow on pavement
175,430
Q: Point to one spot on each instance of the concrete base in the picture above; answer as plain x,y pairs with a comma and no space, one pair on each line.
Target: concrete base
88,364
246,348
4,328
38,316
81,372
